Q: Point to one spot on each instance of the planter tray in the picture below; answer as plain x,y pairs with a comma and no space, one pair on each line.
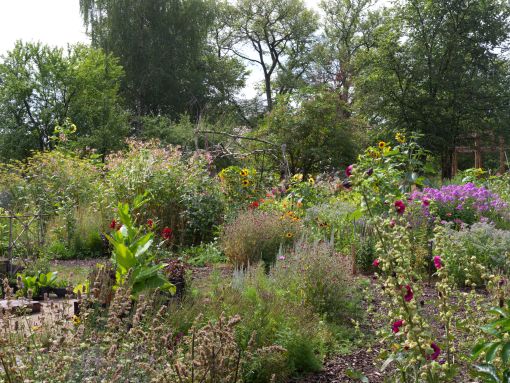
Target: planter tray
20,306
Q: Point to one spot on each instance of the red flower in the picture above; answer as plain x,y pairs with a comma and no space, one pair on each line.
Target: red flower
348,170
409,294
113,224
395,327
150,223
254,205
400,206
437,262
436,352
376,263
167,233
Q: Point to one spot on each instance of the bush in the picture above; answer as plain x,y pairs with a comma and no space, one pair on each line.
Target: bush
476,251
257,236
204,254
181,193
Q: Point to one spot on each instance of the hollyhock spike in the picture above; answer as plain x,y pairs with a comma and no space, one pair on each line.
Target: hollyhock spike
437,262
409,294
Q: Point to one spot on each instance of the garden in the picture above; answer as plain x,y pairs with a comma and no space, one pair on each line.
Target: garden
160,266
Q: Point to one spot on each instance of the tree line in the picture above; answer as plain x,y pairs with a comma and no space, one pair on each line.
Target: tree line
331,80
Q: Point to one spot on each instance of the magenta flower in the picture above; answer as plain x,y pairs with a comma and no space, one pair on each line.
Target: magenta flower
436,353
409,294
348,170
376,263
395,327
400,206
437,262
426,202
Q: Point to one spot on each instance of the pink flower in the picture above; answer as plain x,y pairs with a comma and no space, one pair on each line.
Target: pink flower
376,263
281,258
400,206
167,233
436,352
348,170
437,262
426,202
409,294
395,327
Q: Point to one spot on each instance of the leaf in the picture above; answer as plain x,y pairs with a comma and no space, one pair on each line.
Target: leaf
478,349
500,311
387,362
491,351
506,376
488,372
505,353
353,374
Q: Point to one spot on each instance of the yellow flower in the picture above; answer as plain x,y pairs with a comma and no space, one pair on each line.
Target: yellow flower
299,204
297,177
382,144
246,183
76,320
311,181
36,328
244,172
400,138
289,235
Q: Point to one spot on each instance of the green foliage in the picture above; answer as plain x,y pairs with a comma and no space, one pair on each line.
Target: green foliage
496,351
34,283
132,258
41,87
163,47
204,254
183,196
476,251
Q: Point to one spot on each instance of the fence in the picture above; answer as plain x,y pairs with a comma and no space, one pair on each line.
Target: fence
21,235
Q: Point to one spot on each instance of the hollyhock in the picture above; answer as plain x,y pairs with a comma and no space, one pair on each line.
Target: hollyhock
167,233
436,353
150,223
437,262
409,294
376,263
113,224
254,205
348,170
395,327
400,207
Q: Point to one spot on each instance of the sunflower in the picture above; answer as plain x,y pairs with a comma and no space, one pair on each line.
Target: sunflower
311,181
246,183
400,138
76,320
244,172
382,144
297,177
289,235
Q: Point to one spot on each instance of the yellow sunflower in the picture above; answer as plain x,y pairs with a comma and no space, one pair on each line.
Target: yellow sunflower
244,172
382,144
311,181
246,183
289,235
400,138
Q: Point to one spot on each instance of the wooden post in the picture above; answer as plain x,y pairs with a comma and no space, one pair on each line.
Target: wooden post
502,166
455,164
478,153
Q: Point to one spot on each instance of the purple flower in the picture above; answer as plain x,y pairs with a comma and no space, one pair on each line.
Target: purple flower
436,353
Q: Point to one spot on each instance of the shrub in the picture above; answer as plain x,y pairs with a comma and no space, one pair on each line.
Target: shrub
475,251
257,236
182,195
204,254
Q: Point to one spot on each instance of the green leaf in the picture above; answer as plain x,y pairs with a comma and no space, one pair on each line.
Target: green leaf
353,374
505,353
491,351
488,372
500,311
478,349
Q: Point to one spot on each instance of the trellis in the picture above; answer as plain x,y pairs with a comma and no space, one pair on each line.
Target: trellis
27,240
477,149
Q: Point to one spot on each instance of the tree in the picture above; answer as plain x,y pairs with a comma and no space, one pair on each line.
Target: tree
163,46
436,70
313,129
276,35
41,87
349,27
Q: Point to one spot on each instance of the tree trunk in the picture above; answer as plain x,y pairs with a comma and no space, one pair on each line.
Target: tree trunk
269,100
446,164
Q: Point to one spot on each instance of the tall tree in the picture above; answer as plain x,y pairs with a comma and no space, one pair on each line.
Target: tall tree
164,48
40,87
349,27
437,69
276,35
